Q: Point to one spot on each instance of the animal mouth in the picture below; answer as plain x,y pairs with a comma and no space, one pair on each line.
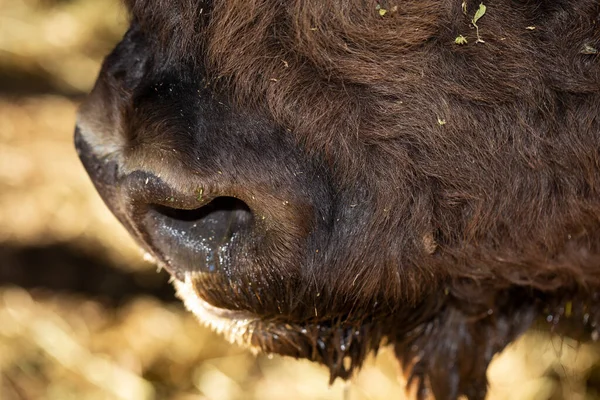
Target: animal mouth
235,325
211,260
341,347
200,247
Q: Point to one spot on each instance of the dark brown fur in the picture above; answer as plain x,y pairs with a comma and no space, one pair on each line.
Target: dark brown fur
461,183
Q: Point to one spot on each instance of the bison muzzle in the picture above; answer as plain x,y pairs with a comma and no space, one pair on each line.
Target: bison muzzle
321,177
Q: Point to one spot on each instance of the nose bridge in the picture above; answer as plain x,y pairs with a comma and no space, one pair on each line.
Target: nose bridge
169,123
172,127
182,132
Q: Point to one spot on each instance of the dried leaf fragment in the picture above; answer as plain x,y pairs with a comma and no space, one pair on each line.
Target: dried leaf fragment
588,49
460,40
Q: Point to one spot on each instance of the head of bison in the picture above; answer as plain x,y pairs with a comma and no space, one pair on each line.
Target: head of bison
319,177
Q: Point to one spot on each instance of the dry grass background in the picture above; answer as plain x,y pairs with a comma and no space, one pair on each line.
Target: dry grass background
83,317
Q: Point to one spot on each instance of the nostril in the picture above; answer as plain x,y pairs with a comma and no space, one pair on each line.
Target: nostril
230,205
201,239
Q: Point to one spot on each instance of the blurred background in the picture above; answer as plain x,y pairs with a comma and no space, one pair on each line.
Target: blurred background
82,316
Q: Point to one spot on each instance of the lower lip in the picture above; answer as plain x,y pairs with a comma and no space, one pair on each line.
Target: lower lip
235,326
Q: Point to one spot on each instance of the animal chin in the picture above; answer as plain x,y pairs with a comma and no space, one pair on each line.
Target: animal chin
235,325
340,346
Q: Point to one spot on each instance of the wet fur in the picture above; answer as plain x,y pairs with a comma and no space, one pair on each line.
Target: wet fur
462,183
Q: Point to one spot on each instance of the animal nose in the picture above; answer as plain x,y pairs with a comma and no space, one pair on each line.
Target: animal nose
221,227
225,199
189,230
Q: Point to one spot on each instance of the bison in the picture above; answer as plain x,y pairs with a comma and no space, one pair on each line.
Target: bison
321,177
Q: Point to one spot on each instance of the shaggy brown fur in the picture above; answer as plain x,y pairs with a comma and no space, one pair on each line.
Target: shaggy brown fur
440,195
